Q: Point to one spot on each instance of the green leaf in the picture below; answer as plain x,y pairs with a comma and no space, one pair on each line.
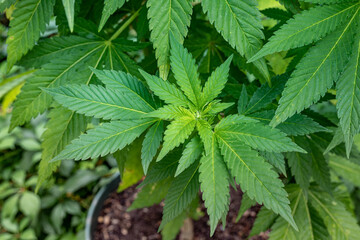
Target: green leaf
345,168
99,102
165,17
275,159
4,4
264,219
216,82
339,222
348,92
259,136
255,176
163,169
133,171
151,194
319,168
29,20
69,6
214,183
246,203
110,6
65,56
307,27
151,144
127,84
300,163
185,70
190,154
302,216
29,204
316,72
63,126
165,90
264,95
294,126
170,112
239,24
182,192
176,133
337,139
171,230
243,100
104,139
215,107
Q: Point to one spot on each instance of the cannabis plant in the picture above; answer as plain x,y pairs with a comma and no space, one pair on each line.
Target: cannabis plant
203,107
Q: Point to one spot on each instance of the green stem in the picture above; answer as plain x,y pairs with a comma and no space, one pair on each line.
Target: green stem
125,25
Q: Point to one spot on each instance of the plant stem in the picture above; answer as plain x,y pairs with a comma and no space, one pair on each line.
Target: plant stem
125,25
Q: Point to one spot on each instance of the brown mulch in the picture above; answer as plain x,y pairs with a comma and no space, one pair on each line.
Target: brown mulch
114,223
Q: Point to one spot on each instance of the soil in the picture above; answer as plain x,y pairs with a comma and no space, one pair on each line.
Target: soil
114,223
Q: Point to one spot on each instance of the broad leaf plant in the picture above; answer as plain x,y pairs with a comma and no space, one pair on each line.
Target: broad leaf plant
211,94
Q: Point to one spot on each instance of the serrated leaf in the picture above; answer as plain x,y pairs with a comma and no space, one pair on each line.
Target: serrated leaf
301,213
307,27
240,26
110,6
165,17
275,159
151,144
348,96
216,82
316,72
214,183
65,57
176,133
126,84
29,20
104,139
69,7
63,126
259,136
296,125
191,153
182,192
337,139
165,90
185,71
255,176
99,102
264,95
339,222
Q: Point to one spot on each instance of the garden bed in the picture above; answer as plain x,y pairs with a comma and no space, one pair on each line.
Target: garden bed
115,223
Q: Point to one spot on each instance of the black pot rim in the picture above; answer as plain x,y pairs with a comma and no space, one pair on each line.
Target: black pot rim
97,204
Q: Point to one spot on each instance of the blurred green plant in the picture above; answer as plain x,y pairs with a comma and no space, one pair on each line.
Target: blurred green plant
56,211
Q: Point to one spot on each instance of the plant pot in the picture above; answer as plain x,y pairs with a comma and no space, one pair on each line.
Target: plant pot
97,204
